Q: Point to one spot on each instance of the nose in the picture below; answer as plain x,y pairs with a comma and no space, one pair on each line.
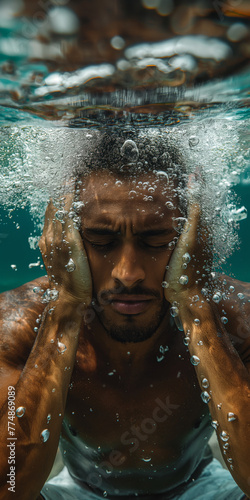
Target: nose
127,269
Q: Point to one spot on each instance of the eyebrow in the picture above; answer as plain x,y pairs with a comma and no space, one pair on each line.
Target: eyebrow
144,234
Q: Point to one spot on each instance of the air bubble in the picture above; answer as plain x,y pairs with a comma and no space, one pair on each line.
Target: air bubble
196,321
195,298
205,397
231,416
165,284
224,436
159,358
205,383
186,340
61,347
50,295
241,296
174,311
186,257
183,280
231,289
132,194
70,267
224,320
44,436
217,297
238,214
130,151
161,173
193,141
171,245
117,42
215,424
163,349
60,215
179,223
169,205
77,206
20,411
76,222
195,360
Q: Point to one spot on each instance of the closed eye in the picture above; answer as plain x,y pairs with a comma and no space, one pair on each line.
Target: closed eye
102,244
156,245
156,241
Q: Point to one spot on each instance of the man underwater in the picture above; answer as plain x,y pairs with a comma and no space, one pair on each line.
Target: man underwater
131,350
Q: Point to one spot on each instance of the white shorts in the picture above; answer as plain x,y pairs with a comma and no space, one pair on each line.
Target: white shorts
214,483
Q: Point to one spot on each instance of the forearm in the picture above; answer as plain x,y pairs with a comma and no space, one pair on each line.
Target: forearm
224,382
42,390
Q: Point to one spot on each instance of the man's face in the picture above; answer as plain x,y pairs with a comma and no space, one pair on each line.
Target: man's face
127,230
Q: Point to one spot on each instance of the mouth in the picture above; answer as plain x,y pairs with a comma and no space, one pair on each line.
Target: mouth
130,304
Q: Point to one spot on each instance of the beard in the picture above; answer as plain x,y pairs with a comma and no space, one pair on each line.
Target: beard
131,331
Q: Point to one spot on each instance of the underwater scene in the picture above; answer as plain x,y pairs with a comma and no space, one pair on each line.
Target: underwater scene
125,191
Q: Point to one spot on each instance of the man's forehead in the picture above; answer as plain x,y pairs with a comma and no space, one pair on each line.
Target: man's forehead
110,201
104,187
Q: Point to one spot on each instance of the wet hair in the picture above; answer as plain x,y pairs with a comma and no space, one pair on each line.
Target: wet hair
132,153
178,153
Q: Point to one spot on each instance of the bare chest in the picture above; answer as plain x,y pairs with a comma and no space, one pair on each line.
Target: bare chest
155,415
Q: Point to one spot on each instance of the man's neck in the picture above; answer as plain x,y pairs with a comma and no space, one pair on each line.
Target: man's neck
135,355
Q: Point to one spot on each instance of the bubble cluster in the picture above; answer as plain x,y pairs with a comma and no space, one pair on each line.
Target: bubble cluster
38,163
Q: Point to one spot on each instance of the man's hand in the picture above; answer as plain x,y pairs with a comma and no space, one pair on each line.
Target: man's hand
64,256
190,265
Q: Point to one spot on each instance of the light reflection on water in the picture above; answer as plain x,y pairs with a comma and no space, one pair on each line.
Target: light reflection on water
149,63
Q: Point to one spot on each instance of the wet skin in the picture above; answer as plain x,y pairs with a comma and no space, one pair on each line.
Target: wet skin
127,243
134,419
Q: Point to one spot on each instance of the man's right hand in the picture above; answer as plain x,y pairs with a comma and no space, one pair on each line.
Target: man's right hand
64,257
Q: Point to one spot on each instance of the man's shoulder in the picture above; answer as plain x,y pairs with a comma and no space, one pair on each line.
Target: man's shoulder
20,309
25,297
235,292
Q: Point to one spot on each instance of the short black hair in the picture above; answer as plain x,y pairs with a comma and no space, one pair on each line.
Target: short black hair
129,153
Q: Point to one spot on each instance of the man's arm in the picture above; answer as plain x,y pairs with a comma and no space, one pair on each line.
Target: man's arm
223,376
37,389
40,387
225,385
